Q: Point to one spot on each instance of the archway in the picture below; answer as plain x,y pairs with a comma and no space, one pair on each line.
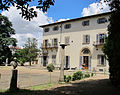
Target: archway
85,59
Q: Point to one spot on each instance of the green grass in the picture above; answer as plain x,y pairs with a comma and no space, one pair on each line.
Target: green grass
40,87
1,90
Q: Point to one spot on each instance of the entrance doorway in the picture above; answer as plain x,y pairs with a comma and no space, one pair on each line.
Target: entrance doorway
44,61
85,59
85,62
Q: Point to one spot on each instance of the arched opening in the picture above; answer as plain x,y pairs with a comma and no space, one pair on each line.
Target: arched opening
85,59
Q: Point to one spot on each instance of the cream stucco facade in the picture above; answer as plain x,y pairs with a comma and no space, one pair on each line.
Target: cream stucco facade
84,37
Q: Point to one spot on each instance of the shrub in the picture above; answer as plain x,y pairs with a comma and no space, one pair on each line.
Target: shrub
77,75
92,74
86,75
67,78
50,67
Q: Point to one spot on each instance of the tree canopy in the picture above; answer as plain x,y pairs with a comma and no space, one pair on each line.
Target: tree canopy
26,12
29,52
6,31
112,46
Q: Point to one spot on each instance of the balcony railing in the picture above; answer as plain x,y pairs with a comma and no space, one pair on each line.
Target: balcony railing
98,43
49,47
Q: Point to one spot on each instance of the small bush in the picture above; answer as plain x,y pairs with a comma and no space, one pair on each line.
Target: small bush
86,75
77,75
92,74
67,78
50,67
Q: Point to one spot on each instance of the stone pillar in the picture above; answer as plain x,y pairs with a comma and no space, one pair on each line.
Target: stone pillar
13,83
61,79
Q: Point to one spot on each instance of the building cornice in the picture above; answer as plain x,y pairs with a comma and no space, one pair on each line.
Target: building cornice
80,18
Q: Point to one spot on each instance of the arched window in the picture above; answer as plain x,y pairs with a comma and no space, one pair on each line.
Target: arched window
86,51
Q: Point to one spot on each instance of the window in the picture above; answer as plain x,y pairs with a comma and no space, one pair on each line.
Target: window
67,62
100,38
55,28
53,59
55,42
67,26
46,43
101,20
86,39
101,60
86,51
85,23
46,30
67,40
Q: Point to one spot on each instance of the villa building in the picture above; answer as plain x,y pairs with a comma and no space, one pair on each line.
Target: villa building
84,38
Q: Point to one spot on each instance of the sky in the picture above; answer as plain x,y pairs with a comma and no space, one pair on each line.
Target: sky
62,10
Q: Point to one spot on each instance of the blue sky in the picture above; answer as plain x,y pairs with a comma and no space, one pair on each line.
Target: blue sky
62,10
68,8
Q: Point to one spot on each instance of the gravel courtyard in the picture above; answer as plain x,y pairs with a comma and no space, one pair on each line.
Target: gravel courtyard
28,76
97,85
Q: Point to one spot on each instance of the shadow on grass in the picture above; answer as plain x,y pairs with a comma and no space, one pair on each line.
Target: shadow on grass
91,87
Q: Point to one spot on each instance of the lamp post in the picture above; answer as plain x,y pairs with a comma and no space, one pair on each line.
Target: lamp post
61,79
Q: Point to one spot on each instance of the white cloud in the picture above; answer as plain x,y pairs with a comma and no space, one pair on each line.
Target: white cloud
24,28
62,19
96,8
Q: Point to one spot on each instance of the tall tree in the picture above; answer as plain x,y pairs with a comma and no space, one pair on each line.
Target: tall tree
29,52
6,31
112,46
23,5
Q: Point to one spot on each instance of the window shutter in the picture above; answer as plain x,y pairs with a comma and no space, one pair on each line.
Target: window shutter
104,61
89,65
83,38
97,39
68,61
52,43
65,62
43,43
81,61
105,35
88,38
99,60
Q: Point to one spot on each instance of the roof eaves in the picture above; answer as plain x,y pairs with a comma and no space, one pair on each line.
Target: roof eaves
75,19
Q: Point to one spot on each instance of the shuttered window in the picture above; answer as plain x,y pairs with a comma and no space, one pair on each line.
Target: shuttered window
54,59
85,23
67,40
46,30
86,39
101,20
67,26
101,60
100,38
67,62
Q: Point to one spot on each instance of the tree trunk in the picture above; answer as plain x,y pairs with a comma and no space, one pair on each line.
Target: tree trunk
30,63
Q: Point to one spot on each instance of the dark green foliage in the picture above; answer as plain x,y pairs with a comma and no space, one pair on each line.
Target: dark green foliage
86,75
92,74
23,5
28,53
6,31
77,75
112,46
50,67
67,78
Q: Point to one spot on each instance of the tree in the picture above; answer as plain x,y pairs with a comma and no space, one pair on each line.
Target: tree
21,56
23,5
29,52
112,46
6,31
